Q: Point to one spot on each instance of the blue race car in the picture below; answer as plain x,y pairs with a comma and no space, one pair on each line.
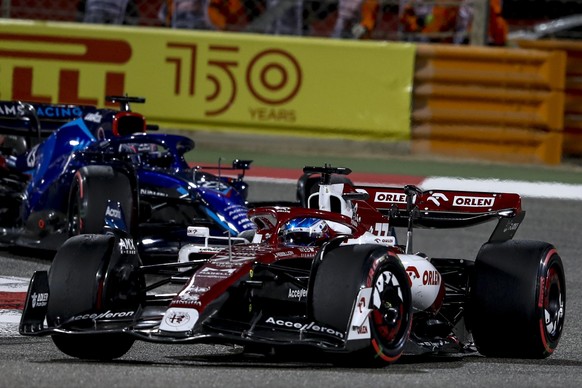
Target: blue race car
65,168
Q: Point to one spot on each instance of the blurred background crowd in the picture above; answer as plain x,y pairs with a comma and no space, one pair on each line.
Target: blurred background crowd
449,21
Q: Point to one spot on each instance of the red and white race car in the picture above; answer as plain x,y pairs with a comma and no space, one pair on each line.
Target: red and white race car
329,276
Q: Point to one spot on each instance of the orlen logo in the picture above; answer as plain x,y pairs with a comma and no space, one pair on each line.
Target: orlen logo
390,197
431,278
473,201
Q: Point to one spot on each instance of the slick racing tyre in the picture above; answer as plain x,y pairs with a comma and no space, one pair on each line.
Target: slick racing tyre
518,299
338,279
92,187
91,277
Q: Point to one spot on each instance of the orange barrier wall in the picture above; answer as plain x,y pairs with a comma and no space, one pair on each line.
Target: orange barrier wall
489,103
572,144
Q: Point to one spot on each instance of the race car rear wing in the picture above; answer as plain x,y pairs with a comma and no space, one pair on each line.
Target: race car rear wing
30,118
441,208
411,207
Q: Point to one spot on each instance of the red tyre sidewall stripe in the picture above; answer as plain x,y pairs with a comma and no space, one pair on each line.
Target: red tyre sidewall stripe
80,182
370,283
381,354
543,283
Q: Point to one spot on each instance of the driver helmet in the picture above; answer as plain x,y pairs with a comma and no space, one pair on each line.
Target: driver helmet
304,232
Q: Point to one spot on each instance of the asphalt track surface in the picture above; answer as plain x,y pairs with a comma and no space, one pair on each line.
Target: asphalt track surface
35,362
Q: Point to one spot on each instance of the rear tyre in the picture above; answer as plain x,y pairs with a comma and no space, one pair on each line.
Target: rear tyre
92,187
343,272
89,275
518,299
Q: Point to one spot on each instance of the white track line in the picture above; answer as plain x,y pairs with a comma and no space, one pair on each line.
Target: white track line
525,189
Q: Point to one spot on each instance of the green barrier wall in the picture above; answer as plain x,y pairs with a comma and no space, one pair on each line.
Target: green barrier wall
202,80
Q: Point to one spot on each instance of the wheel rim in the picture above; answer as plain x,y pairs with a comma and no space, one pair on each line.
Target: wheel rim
389,314
553,304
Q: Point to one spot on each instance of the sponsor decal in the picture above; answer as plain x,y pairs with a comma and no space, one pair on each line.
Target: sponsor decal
431,278
436,198
385,240
179,319
284,254
127,246
93,117
187,302
390,197
176,318
412,272
311,326
152,193
362,304
433,345
192,294
223,260
360,322
198,231
467,201
307,249
31,157
115,213
236,211
216,273
58,111
11,110
39,299
213,185
380,229
297,294
198,289
511,226
106,315
189,297
355,215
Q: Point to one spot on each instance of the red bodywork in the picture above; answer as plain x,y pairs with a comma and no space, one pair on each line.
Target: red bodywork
231,266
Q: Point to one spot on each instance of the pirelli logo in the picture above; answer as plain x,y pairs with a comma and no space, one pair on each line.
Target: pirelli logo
69,51
82,70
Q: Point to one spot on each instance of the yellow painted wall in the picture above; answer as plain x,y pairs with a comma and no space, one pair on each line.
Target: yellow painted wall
232,81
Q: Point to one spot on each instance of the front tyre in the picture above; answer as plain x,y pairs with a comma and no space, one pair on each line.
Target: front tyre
90,275
338,280
518,299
